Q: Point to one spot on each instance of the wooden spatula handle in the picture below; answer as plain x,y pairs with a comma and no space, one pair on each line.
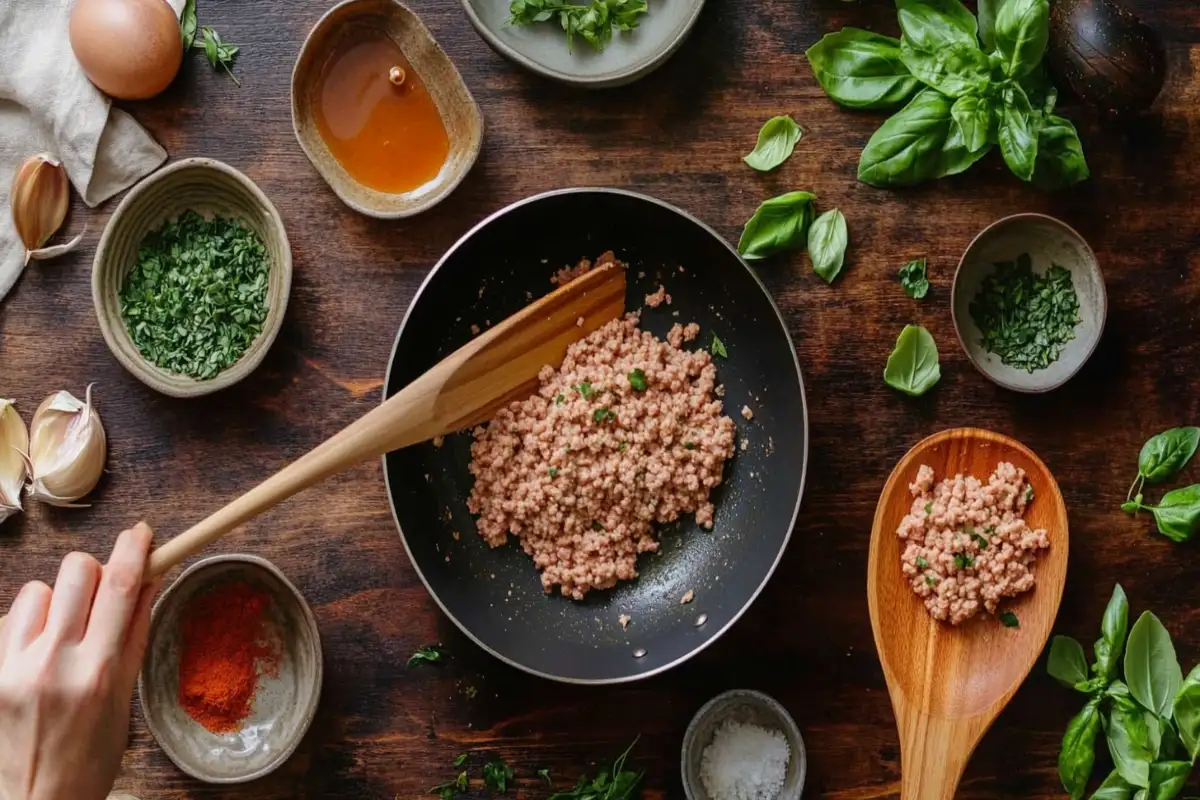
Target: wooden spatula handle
932,757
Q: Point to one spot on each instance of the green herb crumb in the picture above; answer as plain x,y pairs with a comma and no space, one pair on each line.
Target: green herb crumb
922,562
637,380
1009,620
718,347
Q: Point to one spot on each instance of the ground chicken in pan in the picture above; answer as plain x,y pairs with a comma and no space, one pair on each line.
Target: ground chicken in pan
626,433
968,544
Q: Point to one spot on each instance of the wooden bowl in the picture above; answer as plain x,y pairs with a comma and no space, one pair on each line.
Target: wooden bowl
948,683
1047,241
209,188
460,114
284,706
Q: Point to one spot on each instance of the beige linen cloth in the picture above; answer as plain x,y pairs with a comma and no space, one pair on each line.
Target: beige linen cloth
48,105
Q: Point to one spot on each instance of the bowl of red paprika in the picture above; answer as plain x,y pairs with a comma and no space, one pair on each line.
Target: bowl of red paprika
233,670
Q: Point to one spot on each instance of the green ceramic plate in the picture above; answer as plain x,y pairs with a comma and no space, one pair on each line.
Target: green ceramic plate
543,48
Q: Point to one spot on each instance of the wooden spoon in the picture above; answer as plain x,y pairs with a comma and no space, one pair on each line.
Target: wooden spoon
464,389
949,683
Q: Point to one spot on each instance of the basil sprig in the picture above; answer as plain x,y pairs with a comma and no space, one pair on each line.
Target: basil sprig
1162,457
776,141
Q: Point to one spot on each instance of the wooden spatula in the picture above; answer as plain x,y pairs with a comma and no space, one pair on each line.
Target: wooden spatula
464,389
949,683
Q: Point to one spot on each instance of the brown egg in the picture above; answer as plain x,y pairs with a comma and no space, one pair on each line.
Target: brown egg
131,49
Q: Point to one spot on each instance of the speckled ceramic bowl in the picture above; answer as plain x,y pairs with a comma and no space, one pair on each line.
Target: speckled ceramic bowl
283,706
742,705
1047,241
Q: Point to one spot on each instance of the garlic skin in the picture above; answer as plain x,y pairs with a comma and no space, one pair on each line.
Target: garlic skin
67,449
40,195
14,441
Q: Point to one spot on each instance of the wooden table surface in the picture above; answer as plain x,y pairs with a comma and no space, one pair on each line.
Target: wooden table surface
383,731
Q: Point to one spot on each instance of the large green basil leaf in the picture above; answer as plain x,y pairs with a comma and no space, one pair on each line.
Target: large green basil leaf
1167,453
1187,713
1078,752
1178,513
1129,743
906,149
1151,669
954,70
1018,133
1060,159
1022,31
987,23
1114,788
1167,778
973,113
861,69
913,366
827,240
776,141
1067,664
780,223
933,24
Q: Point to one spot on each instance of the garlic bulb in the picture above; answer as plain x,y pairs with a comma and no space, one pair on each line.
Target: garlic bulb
14,441
40,195
67,448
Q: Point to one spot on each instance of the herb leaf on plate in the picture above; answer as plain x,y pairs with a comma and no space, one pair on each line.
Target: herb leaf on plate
776,141
1078,752
1022,32
827,241
593,22
1067,663
1151,670
780,223
914,280
862,69
906,149
913,367
429,653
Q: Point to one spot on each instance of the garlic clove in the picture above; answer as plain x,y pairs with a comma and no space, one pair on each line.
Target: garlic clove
67,449
14,441
40,195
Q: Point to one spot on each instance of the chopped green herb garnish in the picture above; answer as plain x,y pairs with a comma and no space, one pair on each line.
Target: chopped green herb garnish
462,759
603,415
980,540
718,347
428,653
990,529
929,508
558,399
596,526
496,775
1009,620
930,580
637,380
922,562
623,447
963,561
553,472
689,445
585,389
1029,494
593,21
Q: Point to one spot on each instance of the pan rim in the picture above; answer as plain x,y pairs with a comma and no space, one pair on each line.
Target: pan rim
460,242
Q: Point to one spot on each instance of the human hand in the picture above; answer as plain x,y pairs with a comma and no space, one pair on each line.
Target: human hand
68,662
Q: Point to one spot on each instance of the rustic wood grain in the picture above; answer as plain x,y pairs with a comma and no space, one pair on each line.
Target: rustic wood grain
384,731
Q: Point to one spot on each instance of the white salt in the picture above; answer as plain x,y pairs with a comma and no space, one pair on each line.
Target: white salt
744,762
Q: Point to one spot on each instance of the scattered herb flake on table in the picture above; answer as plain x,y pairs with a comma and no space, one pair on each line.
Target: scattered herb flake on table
429,653
196,298
496,775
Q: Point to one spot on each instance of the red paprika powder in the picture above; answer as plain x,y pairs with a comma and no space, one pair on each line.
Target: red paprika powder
227,640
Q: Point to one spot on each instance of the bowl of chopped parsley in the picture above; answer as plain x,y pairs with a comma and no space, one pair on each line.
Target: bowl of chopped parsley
191,278
1029,302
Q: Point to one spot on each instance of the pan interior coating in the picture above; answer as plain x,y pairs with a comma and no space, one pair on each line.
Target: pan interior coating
496,596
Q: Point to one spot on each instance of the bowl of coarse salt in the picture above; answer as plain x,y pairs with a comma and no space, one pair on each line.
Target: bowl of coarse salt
742,745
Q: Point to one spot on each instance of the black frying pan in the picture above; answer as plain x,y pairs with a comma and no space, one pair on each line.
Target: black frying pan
495,596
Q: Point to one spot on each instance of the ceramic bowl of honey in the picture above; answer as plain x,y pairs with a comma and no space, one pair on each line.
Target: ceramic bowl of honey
381,111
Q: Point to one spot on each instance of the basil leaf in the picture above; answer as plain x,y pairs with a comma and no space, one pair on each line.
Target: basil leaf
974,116
1039,89
913,366
187,24
956,156
776,141
1060,159
1178,513
1187,713
861,69
1167,778
1022,31
780,223
1114,788
954,70
1151,669
827,240
934,24
1129,743
1167,453
1111,645
1078,752
1018,135
907,148
1067,664
914,280
987,23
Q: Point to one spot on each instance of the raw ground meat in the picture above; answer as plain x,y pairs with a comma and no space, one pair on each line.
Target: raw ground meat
968,543
581,470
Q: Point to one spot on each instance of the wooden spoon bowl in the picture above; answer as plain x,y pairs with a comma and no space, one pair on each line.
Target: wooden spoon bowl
949,683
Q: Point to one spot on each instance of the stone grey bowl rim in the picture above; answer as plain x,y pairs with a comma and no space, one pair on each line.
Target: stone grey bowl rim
310,620
1094,264
747,697
608,81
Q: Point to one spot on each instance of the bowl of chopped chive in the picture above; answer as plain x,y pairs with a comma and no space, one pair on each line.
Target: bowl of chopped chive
1029,302
191,278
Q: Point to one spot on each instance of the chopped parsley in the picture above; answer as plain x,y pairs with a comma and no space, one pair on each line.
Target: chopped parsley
930,580
689,445
596,526
1009,620
496,775
929,508
603,415
963,561
1029,494
553,472
558,399
623,447
718,347
990,529
429,653
979,539
637,379
584,389
922,562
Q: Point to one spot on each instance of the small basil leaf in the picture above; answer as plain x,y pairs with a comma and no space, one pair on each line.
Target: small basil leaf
1167,778
780,223
954,70
776,141
907,148
1129,743
1178,513
1187,713
827,240
1022,31
861,69
1067,664
934,24
913,366
187,24
1018,134
914,280
1113,628
1114,788
1151,669
1165,454
974,116
1078,752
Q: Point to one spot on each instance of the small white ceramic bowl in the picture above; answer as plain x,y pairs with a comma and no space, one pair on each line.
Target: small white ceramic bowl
742,705
1047,241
